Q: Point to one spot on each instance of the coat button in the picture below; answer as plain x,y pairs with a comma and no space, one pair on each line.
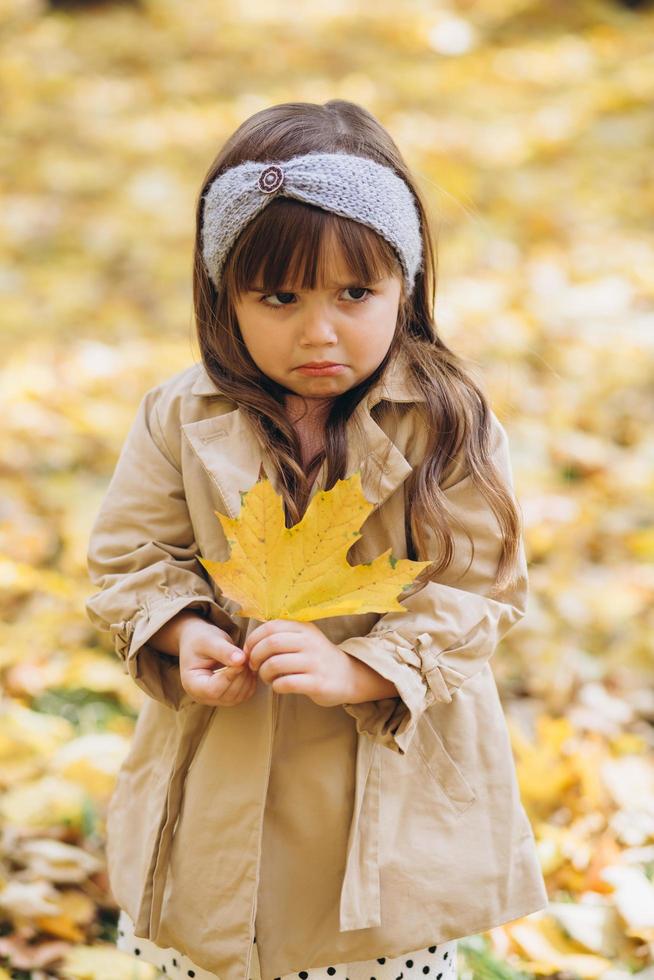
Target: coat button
271,179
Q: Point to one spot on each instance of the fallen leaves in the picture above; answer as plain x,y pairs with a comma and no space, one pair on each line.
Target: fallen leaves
543,192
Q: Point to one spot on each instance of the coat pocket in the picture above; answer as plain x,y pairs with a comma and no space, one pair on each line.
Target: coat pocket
442,769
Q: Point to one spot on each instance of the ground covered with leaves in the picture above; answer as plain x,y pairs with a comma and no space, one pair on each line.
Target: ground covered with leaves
530,128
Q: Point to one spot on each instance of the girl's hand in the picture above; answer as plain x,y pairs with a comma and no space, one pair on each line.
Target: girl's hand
298,658
207,671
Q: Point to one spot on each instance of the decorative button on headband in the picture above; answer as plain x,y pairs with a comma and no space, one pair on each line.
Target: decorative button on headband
271,179
353,186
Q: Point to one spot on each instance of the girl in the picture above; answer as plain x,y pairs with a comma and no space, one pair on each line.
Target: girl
336,798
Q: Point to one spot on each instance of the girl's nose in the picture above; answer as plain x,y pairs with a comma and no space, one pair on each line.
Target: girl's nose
318,328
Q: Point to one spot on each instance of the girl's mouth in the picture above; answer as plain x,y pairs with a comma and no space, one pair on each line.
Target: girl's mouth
320,369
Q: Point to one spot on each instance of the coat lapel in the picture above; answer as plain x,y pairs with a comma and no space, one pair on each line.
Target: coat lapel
229,452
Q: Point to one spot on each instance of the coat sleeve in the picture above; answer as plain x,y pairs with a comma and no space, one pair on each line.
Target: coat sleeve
142,558
448,632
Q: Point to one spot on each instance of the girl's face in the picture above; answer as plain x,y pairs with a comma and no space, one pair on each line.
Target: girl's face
347,323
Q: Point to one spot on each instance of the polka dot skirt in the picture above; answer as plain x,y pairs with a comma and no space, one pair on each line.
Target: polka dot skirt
432,962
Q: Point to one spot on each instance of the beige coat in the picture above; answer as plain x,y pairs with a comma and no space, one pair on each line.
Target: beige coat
333,834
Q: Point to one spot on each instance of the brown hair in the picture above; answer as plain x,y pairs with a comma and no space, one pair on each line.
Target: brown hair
286,242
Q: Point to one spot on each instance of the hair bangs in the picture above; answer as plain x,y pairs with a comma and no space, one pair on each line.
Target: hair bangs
290,245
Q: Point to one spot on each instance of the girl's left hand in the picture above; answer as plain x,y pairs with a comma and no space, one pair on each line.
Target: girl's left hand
298,658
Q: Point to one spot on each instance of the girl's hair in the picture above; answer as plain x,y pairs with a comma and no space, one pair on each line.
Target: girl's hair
288,241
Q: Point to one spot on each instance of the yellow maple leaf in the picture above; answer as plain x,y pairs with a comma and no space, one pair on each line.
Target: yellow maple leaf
301,572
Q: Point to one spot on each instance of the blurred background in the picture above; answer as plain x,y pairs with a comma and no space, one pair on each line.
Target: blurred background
530,128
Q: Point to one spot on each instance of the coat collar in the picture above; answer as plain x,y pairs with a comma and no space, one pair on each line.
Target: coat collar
230,451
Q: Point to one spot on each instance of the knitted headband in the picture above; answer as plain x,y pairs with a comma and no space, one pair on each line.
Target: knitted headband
353,186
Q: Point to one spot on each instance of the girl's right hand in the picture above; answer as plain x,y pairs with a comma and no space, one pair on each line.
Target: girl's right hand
207,671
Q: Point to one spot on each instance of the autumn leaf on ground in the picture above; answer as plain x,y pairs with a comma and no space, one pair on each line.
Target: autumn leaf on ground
301,572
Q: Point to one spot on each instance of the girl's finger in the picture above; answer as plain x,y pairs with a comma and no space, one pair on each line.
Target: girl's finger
249,685
262,632
276,645
283,663
231,655
210,657
235,686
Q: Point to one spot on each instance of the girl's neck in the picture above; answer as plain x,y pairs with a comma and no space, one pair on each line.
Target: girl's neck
309,424
310,412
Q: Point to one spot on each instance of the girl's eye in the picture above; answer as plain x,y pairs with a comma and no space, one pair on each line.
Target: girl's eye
274,306
358,301
359,289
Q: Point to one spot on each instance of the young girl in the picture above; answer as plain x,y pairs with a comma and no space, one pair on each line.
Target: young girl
335,798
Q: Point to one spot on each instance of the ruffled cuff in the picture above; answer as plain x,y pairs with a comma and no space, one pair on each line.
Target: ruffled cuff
155,672
410,665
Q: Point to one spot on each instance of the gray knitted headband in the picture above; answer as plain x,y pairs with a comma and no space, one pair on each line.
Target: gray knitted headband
353,186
